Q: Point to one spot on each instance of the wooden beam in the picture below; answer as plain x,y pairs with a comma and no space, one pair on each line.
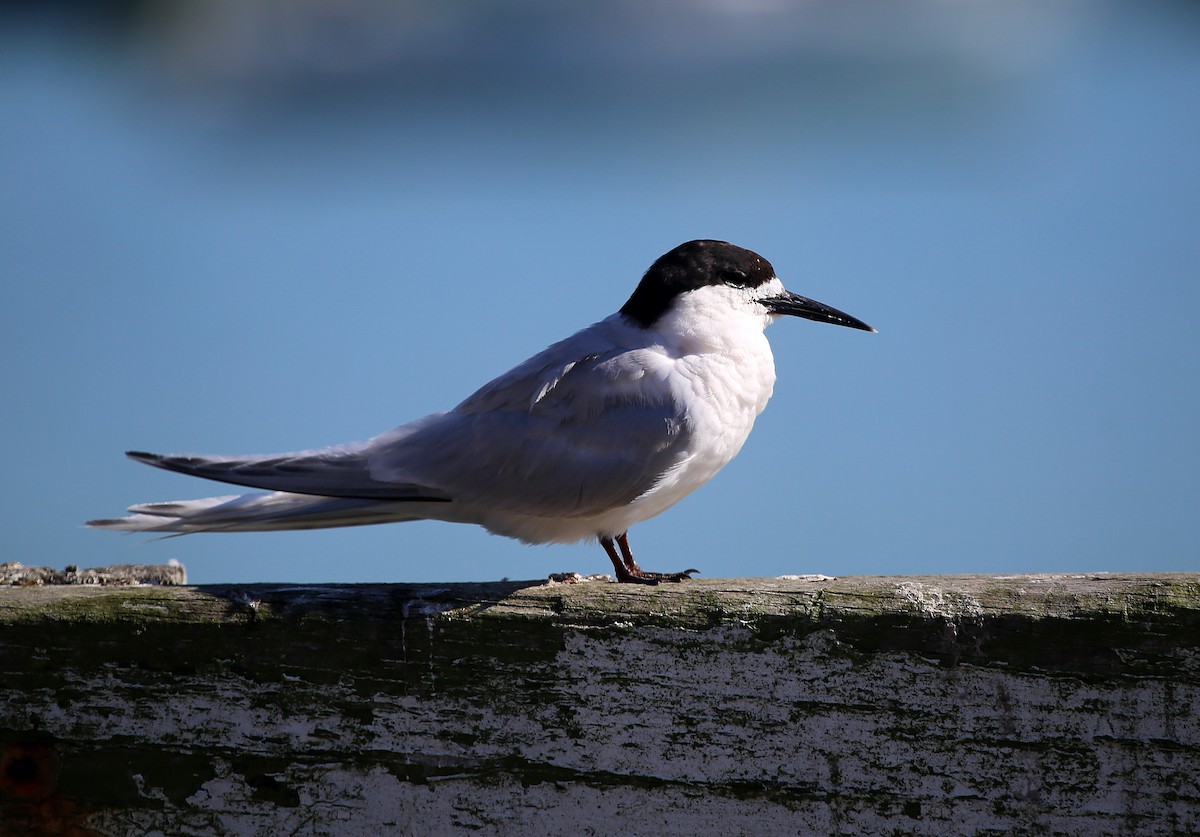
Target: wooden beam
892,705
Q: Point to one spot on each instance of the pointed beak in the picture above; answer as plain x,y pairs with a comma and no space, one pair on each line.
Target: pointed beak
794,305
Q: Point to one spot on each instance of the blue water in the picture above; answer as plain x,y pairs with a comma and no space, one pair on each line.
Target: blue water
250,233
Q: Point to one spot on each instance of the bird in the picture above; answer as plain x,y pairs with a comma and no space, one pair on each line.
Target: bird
605,429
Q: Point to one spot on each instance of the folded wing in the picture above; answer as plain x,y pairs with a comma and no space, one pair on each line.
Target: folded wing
550,438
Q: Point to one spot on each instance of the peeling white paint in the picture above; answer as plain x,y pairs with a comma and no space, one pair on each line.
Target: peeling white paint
635,729
934,601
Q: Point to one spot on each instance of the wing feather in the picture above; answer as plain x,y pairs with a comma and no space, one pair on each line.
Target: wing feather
552,437
583,427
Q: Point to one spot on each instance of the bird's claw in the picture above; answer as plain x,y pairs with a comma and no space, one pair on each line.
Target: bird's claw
644,577
628,571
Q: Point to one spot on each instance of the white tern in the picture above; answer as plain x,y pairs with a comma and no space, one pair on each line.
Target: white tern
600,431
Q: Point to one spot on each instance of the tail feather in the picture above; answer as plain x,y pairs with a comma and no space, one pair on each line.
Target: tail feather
174,508
331,472
272,512
307,490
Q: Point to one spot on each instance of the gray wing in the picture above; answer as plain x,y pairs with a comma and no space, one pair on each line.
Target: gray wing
549,438
578,429
331,472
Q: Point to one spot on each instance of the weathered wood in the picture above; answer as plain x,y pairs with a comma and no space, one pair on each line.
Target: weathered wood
898,706
15,573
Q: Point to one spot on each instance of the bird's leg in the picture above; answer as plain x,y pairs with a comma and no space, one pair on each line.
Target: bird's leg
628,571
617,562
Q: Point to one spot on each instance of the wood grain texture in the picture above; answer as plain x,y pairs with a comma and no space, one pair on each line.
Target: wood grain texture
898,706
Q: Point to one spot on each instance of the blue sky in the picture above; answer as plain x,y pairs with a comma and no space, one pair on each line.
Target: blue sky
219,250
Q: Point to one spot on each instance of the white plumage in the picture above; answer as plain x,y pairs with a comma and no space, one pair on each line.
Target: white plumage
600,431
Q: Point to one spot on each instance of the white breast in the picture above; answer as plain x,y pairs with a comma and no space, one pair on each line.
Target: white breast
709,357
722,369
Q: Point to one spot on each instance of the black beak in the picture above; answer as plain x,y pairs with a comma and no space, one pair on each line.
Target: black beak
798,306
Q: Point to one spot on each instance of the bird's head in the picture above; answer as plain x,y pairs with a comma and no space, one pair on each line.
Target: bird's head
717,275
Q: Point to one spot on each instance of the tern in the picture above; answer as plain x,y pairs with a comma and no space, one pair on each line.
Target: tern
600,431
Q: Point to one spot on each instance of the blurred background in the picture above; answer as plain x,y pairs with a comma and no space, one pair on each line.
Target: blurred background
253,226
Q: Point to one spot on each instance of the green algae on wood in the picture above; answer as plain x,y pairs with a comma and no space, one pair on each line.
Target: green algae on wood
908,705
